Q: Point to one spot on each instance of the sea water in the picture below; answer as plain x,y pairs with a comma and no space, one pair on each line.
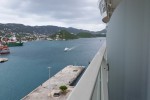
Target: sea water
27,66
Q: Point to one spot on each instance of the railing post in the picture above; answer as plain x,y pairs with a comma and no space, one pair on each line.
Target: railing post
104,80
97,89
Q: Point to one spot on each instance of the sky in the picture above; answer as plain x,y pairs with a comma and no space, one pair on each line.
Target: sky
81,14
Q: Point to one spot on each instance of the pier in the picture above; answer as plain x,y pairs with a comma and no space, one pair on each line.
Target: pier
3,60
49,90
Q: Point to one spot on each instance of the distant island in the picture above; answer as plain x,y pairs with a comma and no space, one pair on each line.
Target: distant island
29,33
65,35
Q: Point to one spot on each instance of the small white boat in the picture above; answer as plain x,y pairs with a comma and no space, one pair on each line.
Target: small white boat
67,49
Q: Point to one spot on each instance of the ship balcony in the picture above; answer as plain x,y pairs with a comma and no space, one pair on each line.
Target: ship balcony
107,6
93,85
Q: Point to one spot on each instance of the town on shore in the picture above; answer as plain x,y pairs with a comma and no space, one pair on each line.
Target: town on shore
12,35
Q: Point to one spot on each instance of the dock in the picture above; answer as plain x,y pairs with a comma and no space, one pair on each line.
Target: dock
3,60
47,90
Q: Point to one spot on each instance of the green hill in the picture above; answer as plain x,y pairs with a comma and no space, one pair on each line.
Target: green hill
63,34
85,35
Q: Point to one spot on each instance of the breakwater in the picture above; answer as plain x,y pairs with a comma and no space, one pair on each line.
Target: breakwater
48,89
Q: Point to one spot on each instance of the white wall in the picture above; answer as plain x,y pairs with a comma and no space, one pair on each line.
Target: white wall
128,45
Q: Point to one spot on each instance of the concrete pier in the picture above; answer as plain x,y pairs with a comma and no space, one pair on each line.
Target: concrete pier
47,90
3,60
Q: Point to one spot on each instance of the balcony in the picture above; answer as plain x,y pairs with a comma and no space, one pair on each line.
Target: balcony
93,85
107,7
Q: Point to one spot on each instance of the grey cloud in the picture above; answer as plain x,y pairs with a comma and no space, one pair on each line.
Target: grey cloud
69,11
56,8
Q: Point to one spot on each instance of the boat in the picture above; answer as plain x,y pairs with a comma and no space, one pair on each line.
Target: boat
67,49
12,42
4,49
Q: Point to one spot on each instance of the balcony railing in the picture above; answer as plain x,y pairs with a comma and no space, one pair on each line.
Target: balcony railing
93,83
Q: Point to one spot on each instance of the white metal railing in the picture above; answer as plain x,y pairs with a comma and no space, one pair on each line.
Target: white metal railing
93,83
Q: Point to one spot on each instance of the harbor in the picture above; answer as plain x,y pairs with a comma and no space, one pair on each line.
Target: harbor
50,90
29,64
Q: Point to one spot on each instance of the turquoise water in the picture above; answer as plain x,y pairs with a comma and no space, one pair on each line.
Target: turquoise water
27,65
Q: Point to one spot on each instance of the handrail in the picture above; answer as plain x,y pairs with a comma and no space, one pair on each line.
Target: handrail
85,87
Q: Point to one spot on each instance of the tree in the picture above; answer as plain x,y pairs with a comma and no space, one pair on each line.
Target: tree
63,88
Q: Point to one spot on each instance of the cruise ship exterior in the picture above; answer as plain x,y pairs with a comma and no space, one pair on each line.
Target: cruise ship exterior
123,72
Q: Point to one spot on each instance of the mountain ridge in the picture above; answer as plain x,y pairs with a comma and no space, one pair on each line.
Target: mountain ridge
43,29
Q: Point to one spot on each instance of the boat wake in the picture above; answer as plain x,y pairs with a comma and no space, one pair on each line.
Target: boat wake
69,49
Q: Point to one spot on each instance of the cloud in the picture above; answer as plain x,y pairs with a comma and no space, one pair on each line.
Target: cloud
82,14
